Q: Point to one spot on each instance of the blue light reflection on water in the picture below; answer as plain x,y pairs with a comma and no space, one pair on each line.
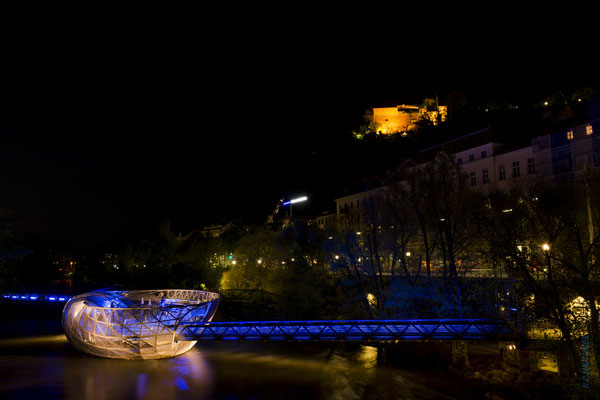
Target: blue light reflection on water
50,368
181,383
142,382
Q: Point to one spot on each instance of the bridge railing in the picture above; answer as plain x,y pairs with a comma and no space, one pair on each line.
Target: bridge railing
355,330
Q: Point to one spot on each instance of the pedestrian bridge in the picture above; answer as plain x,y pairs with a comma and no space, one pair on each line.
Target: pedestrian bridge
323,330
354,330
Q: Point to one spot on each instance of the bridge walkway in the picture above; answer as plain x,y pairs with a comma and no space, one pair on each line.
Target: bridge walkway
352,330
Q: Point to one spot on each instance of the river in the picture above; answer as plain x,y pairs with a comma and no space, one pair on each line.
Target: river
37,362
47,367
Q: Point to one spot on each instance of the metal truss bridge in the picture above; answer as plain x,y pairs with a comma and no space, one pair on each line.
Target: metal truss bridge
358,330
328,330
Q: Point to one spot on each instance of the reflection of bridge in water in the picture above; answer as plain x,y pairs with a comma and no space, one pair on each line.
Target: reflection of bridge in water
357,330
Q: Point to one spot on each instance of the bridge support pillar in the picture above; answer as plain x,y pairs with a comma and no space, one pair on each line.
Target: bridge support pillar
460,354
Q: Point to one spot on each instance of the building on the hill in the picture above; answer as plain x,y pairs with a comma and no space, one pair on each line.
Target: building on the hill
403,118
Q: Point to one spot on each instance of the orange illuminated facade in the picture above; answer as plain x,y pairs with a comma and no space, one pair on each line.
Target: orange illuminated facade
403,118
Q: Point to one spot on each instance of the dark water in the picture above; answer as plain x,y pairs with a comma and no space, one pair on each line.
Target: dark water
47,367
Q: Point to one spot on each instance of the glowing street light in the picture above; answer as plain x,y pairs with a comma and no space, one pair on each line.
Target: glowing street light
546,249
293,201
297,200
545,246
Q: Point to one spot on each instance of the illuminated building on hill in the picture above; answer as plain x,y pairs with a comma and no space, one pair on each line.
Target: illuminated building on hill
564,151
403,118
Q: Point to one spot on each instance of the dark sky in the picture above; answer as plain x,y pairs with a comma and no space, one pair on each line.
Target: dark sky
112,120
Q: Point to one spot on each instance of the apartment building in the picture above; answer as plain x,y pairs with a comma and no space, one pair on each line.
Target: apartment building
491,165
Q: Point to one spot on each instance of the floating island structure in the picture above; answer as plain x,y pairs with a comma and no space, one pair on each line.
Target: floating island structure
137,324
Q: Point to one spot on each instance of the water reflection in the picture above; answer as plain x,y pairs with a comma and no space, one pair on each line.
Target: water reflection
171,378
48,367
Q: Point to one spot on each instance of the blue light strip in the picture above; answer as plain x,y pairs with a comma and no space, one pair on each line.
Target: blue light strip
36,297
353,330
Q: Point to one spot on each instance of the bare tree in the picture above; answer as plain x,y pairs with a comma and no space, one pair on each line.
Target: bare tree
546,236
384,242
445,206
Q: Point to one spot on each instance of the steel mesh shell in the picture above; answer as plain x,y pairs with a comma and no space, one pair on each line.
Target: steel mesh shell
139,324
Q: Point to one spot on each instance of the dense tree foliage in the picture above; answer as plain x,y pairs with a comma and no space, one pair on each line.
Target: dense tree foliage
290,266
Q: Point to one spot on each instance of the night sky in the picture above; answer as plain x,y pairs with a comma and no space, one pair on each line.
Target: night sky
112,120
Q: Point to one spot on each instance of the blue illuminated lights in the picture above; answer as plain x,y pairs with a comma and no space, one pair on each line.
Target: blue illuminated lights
136,325
354,330
36,297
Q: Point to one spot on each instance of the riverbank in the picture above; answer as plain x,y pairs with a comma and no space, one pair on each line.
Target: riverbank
487,375
489,371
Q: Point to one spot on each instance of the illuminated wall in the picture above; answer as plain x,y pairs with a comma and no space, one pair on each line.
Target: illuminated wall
403,118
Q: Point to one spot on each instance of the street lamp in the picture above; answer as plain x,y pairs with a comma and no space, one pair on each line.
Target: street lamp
546,249
296,200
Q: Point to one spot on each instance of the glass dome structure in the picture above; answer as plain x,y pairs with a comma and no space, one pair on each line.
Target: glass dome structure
137,324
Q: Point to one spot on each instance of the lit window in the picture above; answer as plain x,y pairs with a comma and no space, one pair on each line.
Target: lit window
485,177
516,169
570,135
473,179
588,129
501,173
